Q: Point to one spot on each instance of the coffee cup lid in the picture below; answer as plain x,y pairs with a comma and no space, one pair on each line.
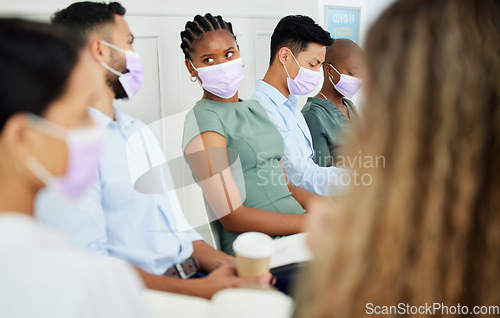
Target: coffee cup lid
253,245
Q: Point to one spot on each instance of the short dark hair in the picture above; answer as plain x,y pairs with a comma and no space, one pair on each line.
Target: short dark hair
85,17
195,30
296,32
36,61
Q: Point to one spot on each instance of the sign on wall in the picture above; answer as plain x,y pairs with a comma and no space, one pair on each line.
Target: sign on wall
343,22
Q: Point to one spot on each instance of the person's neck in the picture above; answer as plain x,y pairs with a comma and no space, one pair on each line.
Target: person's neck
274,77
331,93
104,103
210,96
16,195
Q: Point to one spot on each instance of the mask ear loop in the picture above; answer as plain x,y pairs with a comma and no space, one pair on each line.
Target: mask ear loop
38,170
113,46
286,72
294,58
330,77
334,69
194,78
112,70
193,66
295,62
47,127
109,68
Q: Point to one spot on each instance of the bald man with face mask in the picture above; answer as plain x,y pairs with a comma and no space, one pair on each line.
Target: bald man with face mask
330,113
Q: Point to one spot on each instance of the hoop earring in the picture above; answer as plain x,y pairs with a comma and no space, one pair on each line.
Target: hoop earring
194,79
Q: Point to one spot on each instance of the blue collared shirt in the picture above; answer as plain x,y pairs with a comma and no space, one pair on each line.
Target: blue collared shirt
298,162
147,230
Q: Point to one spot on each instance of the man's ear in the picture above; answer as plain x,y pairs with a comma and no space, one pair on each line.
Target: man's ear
283,54
98,50
14,135
327,70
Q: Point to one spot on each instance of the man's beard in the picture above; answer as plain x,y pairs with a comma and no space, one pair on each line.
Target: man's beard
112,79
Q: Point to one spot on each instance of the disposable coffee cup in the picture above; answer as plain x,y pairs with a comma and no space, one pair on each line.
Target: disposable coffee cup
253,252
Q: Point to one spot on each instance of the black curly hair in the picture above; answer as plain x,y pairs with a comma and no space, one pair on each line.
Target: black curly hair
194,30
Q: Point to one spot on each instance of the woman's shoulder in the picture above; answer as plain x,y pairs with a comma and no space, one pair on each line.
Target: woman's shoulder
209,105
206,110
315,107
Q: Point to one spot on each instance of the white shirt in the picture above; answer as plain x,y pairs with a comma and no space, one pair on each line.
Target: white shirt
42,276
298,161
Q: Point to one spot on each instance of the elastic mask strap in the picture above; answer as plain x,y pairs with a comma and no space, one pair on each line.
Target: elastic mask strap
294,58
112,46
193,66
109,68
112,70
47,127
38,170
295,62
334,68
286,71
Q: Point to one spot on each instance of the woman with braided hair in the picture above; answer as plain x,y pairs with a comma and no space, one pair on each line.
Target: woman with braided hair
231,145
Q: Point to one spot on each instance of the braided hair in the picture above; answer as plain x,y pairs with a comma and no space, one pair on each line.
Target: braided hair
200,25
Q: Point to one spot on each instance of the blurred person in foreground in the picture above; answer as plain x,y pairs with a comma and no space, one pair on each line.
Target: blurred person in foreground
426,229
47,139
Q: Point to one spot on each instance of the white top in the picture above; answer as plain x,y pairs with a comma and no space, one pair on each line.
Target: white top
42,276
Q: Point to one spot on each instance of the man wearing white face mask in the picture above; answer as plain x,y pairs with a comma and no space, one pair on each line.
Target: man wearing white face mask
297,53
330,114
147,230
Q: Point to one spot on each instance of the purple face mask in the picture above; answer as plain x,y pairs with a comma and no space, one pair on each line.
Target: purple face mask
223,79
132,80
305,81
347,85
84,146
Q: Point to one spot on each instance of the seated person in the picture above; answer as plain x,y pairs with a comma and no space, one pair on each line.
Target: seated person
231,145
297,53
113,218
47,139
329,114
425,232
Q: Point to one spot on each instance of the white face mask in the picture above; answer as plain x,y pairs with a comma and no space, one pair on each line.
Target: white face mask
347,85
84,146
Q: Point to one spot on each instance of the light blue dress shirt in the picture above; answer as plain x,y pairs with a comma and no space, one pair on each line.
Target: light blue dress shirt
298,161
147,230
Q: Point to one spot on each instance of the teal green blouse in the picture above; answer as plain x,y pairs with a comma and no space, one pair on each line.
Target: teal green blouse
254,139
328,125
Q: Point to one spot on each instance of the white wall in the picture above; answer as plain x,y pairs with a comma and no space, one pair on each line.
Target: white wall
375,8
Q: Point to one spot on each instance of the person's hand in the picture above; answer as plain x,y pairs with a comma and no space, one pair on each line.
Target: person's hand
225,277
210,258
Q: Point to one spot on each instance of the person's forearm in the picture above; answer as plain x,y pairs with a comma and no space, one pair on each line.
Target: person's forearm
192,287
208,257
306,198
246,219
